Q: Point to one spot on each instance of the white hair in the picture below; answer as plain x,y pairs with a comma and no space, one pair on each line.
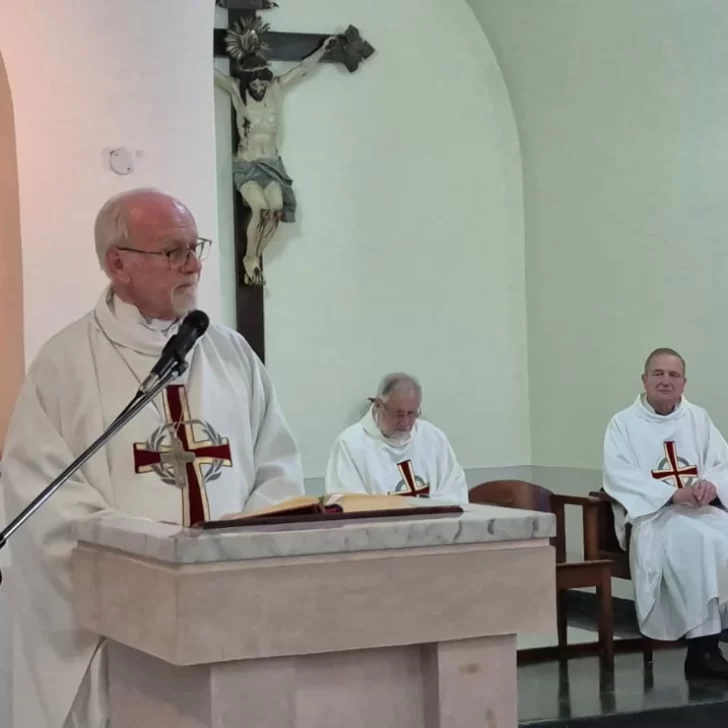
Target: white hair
397,380
112,222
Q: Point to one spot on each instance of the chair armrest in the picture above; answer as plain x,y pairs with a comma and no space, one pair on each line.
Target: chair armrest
602,496
575,500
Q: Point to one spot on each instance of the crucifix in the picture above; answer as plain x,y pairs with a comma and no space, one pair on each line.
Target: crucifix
263,190
177,458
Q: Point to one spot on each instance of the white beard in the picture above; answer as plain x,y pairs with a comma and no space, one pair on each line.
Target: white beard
184,301
398,437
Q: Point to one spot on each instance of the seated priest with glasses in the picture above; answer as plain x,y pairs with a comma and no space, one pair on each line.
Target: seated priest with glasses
392,451
666,466
213,442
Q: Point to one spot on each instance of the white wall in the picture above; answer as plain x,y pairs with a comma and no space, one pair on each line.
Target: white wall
134,74
621,108
409,249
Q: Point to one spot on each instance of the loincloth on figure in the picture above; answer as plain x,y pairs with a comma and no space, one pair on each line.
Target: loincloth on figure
265,171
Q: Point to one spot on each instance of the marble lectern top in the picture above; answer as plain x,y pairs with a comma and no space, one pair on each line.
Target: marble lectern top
177,545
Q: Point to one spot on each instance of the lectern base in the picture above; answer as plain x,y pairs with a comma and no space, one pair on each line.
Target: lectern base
446,685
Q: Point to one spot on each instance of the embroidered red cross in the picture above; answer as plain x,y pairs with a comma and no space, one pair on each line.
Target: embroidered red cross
408,475
184,452
674,471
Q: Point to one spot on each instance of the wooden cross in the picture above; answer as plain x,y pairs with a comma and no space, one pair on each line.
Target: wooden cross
350,51
673,470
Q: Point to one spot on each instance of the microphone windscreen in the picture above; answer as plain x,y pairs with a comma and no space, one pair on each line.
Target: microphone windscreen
198,321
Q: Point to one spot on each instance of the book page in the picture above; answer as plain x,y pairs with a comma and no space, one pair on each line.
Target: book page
292,504
355,502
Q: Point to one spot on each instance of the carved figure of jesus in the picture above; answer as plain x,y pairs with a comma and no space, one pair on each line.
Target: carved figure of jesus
258,171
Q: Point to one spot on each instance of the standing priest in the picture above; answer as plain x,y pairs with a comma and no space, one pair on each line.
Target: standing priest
214,442
666,465
392,451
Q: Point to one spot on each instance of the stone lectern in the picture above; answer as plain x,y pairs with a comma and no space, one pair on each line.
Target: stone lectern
396,623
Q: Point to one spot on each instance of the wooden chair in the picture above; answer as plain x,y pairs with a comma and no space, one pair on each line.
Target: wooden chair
569,575
603,544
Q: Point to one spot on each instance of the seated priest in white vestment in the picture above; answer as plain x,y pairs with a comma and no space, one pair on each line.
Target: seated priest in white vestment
392,450
214,442
666,465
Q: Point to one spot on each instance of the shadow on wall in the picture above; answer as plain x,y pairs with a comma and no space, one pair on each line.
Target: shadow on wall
12,362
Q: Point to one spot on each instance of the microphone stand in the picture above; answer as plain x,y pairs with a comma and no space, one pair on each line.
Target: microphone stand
141,399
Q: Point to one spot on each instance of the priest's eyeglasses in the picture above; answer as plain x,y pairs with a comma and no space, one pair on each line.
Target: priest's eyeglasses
178,257
401,414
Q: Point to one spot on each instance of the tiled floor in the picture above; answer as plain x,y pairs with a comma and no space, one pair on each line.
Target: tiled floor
561,696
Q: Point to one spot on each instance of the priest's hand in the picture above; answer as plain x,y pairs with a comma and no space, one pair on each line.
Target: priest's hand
705,493
685,497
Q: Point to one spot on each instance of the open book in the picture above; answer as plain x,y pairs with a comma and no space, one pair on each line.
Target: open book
335,506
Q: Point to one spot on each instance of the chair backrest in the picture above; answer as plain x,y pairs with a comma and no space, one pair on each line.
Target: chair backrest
527,496
512,494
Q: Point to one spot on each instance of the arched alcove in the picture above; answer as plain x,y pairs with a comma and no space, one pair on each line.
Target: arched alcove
11,281
409,232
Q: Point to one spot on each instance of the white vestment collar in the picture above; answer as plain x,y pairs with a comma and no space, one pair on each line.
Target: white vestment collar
125,326
369,423
645,410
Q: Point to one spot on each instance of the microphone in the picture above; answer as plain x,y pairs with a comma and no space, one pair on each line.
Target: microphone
176,349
